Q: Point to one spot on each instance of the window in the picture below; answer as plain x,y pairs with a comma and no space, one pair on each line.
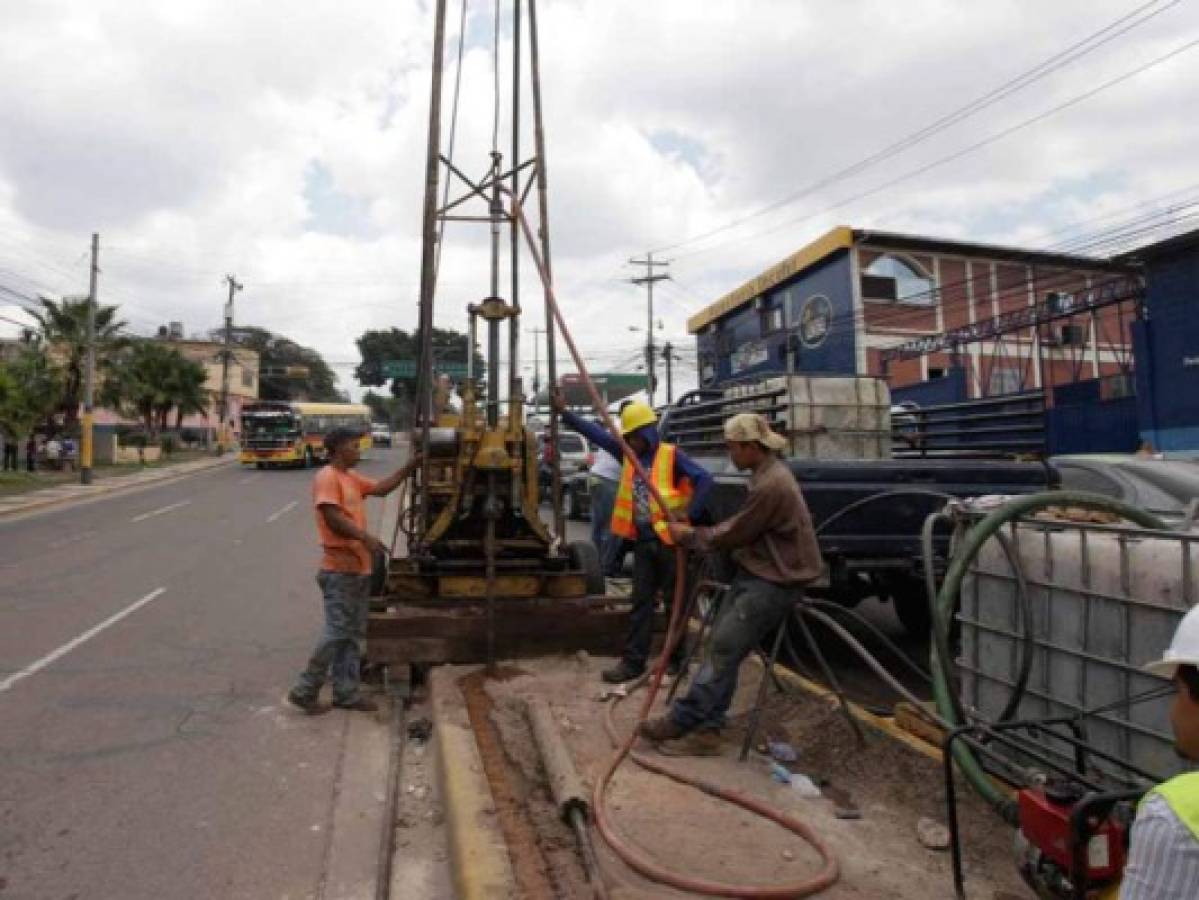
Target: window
934,373
893,278
247,378
772,319
1005,381
707,368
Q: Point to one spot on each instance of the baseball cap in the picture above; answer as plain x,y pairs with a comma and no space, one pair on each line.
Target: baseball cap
753,427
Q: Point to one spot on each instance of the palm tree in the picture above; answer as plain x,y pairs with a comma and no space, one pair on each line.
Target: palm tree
63,326
137,381
185,389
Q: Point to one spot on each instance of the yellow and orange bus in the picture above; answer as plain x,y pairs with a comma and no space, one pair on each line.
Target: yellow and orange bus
278,433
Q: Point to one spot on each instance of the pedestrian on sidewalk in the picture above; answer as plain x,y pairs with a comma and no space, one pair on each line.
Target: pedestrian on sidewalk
338,495
774,547
1163,859
638,518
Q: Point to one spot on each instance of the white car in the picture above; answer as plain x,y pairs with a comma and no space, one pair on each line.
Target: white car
380,436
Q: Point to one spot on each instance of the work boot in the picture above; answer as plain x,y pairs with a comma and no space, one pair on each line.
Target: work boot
663,728
359,704
620,673
309,706
701,742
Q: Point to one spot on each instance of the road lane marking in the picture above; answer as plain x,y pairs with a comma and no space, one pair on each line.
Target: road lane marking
158,512
279,512
82,639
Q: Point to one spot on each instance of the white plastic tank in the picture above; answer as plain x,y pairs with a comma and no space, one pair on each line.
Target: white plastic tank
824,416
1104,600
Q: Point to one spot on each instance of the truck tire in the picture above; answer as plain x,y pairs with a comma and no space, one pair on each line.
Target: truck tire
585,559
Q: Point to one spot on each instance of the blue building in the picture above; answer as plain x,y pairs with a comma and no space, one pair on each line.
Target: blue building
1167,345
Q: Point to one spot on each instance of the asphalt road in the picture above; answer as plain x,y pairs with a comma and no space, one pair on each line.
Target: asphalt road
146,641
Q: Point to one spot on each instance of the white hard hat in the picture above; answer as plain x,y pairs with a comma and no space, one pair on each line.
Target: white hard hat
1183,649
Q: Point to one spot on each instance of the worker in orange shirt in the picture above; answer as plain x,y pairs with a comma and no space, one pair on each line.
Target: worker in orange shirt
338,495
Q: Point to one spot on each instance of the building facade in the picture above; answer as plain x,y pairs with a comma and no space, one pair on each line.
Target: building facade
840,306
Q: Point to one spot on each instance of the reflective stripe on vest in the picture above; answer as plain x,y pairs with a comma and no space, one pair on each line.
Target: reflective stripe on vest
661,475
1181,794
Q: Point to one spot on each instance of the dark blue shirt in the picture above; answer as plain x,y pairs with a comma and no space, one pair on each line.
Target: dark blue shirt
684,466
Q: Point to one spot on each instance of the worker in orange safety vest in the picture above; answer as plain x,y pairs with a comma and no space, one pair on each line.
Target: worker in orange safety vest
638,518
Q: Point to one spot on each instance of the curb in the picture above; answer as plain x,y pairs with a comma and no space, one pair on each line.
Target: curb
98,491
478,853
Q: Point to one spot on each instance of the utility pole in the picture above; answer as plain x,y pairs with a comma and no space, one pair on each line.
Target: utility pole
89,377
226,355
648,280
536,332
668,357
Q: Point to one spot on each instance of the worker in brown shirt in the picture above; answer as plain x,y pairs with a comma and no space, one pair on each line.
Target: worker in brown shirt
774,546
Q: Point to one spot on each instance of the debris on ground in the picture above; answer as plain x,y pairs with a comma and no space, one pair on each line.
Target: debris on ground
932,835
870,796
781,751
420,730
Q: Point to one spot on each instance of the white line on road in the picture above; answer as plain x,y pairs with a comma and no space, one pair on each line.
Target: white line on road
158,512
279,512
83,638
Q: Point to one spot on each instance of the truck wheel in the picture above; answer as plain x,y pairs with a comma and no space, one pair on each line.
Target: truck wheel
584,558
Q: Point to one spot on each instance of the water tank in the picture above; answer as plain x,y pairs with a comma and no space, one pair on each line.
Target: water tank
1104,600
824,416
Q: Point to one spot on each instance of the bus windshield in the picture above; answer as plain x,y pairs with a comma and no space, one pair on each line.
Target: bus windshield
269,424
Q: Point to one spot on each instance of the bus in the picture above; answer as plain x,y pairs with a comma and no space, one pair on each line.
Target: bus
280,433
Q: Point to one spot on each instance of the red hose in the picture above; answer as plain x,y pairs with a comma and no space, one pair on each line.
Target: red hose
633,857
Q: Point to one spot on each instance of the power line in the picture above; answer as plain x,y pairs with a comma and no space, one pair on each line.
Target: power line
1059,60
964,151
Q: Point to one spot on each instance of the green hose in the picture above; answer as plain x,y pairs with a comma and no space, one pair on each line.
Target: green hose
947,601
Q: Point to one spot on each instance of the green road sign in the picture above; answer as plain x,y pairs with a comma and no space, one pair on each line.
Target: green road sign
406,368
399,368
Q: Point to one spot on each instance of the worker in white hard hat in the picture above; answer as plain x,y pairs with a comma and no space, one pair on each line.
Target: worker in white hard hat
637,518
1163,863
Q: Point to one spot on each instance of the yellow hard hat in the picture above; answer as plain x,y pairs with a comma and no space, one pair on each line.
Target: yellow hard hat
634,416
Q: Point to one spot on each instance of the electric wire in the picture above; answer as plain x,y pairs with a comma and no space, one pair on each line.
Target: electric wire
959,153
1053,63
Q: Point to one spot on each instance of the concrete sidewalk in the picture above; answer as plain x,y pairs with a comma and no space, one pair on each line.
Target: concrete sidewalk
65,494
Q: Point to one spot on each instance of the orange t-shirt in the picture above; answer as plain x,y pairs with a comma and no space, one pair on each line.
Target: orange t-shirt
343,490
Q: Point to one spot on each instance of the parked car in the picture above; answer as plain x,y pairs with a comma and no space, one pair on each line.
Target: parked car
573,456
1164,487
380,435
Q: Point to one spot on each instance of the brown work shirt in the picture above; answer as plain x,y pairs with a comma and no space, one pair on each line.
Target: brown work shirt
771,536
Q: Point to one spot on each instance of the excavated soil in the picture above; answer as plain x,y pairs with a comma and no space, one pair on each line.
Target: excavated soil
890,785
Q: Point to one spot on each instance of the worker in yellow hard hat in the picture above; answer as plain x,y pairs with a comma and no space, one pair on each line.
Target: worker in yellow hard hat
638,518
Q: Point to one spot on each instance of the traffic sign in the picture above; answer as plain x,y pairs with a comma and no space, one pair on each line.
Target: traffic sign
406,368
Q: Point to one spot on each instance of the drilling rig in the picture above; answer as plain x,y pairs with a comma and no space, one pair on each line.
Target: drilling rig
481,574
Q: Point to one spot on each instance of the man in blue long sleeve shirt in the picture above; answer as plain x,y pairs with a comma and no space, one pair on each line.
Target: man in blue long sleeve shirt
682,483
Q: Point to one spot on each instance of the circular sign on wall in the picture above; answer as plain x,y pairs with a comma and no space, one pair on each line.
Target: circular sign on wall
815,320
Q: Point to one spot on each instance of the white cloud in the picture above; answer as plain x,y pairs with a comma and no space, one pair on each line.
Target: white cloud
187,133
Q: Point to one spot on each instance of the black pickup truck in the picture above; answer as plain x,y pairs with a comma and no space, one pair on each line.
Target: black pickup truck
868,513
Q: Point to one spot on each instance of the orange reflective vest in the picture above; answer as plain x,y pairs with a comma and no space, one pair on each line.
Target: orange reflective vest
661,475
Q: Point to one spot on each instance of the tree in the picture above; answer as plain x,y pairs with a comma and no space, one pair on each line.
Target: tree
31,389
396,411
277,354
149,379
63,327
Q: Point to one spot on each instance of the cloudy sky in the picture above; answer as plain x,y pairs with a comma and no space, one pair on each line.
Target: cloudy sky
284,143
